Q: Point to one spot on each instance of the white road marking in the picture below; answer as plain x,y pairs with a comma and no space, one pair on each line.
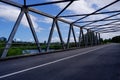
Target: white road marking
45,64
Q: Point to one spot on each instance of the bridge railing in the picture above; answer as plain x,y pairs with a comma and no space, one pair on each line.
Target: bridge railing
90,37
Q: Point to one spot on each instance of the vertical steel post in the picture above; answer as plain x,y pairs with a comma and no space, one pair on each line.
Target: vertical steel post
12,34
33,30
99,38
86,38
79,39
83,37
68,40
89,39
92,35
95,38
60,36
74,35
50,35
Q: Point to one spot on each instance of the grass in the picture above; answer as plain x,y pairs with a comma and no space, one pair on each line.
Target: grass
14,52
17,48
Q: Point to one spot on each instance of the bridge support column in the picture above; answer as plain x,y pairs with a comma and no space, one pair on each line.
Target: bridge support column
71,30
83,37
12,34
96,39
99,38
50,35
74,36
79,39
90,36
86,38
33,30
55,22
93,38
68,39
60,36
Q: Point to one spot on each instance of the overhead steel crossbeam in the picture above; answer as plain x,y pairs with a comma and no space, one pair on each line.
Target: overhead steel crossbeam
50,16
111,30
64,8
37,11
91,14
99,20
54,2
48,3
110,23
97,10
105,28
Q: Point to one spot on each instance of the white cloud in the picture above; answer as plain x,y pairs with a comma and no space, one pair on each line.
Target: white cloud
114,7
46,20
11,13
17,39
101,3
31,40
77,33
8,12
83,7
88,6
98,3
70,20
109,35
55,39
78,7
55,28
72,39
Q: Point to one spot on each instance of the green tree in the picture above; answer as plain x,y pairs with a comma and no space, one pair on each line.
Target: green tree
116,39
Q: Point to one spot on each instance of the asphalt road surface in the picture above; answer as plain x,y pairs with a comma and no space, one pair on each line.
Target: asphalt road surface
93,63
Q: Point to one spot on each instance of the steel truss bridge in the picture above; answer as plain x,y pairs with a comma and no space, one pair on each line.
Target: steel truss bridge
94,29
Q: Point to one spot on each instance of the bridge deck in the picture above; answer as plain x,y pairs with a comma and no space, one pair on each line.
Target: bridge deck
94,63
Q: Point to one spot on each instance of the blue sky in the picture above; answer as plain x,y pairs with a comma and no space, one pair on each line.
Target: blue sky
42,24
